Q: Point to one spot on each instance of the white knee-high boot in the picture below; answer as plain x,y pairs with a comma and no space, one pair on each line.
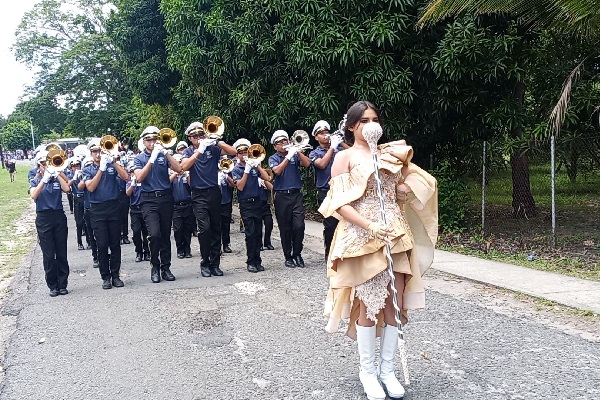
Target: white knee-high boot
388,346
366,339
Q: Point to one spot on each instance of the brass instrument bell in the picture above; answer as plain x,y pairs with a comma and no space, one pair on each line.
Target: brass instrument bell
110,145
214,127
56,160
299,140
167,137
226,165
257,152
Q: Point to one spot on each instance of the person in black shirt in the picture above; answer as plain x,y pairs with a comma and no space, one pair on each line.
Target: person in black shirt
11,166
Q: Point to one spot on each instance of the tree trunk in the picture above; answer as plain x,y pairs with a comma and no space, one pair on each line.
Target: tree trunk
522,202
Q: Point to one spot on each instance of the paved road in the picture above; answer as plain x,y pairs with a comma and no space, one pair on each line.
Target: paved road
260,336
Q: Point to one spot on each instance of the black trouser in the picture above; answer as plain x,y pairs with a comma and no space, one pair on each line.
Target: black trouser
207,210
226,210
78,213
70,200
267,219
183,226
250,211
52,234
157,210
139,233
329,223
89,233
289,211
106,223
124,210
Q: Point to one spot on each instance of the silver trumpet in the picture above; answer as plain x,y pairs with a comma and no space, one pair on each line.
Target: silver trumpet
299,140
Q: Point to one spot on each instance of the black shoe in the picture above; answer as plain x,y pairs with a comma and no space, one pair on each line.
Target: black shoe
216,271
96,263
180,255
290,264
167,275
107,284
205,271
252,268
138,257
117,282
259,267
269,247
126,241
63,291
154,275
146,257
54,293
80,247
299,261
262,248
188,254
227,249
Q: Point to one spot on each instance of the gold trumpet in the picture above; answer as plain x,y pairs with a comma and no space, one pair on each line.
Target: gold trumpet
214,127
110,145
167,137
226,165
257,152
56,159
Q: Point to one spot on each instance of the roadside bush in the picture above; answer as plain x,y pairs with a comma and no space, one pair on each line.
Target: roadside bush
453,198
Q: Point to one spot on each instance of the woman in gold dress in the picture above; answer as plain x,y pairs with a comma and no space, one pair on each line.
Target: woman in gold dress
357,266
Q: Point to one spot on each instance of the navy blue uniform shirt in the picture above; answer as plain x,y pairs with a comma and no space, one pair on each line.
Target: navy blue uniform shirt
251,189
204,173
290,178
107,189
158,177
181,190
50,197
75,189
136,195
322,176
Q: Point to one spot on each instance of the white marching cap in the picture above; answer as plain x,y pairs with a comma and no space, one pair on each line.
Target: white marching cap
149,131
194,125
181,144
41,156
320,126
279,134
87,161
94,144
242,143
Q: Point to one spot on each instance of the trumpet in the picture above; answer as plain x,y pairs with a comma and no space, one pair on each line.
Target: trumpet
56,158
226,165
167,137
299,140
110,145
214,127
257,152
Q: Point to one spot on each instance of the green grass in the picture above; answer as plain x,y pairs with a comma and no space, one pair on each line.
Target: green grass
16,228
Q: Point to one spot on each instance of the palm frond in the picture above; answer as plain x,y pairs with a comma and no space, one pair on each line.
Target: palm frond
558,113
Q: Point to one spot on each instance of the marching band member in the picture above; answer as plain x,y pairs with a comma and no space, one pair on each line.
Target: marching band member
152,170
51,225
202,160
184,222
322,158
289,203
68,171
180,148
78,201
226,187
139,232
123,208
245,175
101,181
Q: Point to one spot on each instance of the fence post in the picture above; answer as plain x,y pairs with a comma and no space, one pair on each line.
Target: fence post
483,189
553,190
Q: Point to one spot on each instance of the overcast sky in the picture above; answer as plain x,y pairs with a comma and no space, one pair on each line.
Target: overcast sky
14,75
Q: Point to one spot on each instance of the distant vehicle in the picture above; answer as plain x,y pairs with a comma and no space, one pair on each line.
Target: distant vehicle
66,143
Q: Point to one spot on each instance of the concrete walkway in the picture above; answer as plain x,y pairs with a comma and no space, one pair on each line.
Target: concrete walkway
572,292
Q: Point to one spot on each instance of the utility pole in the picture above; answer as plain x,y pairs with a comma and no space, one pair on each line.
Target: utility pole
32,139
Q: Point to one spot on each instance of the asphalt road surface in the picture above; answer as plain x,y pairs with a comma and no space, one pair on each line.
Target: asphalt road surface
260,336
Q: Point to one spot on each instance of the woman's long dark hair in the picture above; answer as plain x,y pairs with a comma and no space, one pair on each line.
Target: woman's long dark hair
354,114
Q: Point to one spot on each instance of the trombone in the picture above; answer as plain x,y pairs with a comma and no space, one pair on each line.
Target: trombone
299,140
167,137
214,127
110,145
56,159
257,152
226,165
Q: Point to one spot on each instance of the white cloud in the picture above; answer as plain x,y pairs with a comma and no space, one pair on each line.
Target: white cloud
14,75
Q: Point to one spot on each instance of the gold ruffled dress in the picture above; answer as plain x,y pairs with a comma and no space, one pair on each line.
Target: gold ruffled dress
357,265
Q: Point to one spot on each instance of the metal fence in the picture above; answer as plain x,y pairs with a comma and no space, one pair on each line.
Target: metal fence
563,209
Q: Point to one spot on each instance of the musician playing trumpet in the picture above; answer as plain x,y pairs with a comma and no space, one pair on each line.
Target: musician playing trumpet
202,160
51,225
246,175
289,202
151,168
